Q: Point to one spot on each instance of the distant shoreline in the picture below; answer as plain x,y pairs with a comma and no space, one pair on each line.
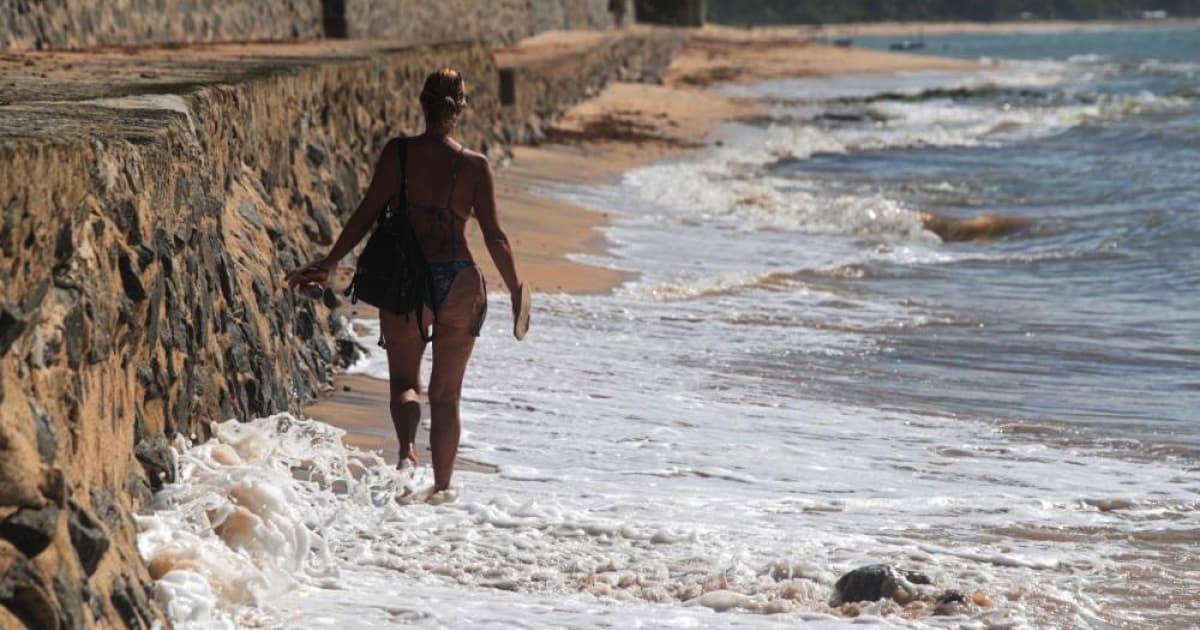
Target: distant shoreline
909,29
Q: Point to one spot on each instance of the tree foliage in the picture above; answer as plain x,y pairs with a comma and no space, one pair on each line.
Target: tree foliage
821,11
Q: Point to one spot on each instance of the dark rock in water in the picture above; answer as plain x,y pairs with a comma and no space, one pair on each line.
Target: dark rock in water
951,597
877,581
867,583
30,530
915,577
947,603
87,538
23,592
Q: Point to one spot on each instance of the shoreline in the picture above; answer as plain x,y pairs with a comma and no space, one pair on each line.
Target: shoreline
625,126
906,29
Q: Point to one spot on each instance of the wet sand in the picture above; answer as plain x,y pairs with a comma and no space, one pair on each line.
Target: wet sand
624,126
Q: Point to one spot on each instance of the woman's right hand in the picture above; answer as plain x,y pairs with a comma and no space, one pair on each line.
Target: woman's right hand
315,273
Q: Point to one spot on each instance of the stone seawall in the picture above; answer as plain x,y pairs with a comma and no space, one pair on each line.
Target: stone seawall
61,25
144,240
541,78
152,204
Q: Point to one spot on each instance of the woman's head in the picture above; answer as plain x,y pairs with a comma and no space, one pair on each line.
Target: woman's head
443,98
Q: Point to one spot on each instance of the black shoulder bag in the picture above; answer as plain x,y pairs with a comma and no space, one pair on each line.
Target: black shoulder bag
392,273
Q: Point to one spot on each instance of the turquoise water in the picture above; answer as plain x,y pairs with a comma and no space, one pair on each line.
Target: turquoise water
1092,317
1169,43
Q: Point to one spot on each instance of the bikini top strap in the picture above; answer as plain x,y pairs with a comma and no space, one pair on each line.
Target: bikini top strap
454,176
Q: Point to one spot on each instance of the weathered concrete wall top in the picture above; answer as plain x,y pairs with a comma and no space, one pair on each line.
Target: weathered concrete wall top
62,24
76,24
495,21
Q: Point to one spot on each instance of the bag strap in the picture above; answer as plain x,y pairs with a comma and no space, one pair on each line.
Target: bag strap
403,148
400,203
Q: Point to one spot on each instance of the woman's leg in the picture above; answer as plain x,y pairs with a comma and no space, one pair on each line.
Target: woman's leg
453,341
404,350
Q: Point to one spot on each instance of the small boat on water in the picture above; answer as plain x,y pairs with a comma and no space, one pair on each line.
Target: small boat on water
908,44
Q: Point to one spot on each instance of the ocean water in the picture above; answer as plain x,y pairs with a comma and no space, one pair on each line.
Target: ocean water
799,380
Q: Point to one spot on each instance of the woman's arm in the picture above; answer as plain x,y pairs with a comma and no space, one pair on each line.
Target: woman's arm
493,235
382,187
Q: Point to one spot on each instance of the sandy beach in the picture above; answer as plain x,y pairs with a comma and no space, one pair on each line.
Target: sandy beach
625,126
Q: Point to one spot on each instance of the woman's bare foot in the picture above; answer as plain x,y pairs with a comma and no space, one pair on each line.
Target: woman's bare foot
409,460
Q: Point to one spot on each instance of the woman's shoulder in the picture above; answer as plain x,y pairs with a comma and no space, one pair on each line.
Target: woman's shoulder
476,160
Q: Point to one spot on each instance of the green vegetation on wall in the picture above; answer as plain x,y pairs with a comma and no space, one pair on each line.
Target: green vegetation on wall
821,11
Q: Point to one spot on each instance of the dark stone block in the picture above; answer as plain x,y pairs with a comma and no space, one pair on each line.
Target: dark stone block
126,217
70,601
33,301
125,312
145,256
316,154
12,326
30,530
225,274
54,486
137,490
305,324
348,352
75,336
183,233
330,299
87,537
131,604
47,441
64,245
164,251
107,508
182,192
323,350
262,294
65,279
102,342
23,592
130,280
154,312
46,349
149,381
154,453
251,213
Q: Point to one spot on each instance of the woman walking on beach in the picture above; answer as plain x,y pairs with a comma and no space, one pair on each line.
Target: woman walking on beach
444,184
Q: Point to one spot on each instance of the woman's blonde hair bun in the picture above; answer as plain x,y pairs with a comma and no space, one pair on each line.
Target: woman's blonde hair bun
444,96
